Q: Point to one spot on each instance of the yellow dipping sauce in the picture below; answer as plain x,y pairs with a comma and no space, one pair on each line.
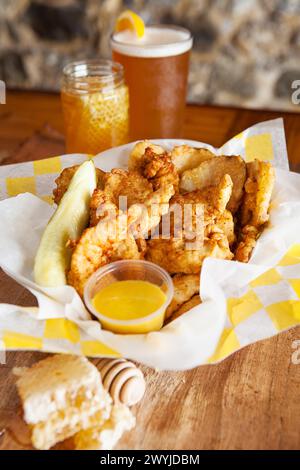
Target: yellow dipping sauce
130,300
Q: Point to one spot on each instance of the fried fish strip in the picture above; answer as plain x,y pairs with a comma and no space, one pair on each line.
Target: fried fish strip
178,254
144,218
64,179
185,157
258,191
99,200
174,256
120,183
215,196
255,206
225,222
185,286
214,200
129,184
211,171
97,247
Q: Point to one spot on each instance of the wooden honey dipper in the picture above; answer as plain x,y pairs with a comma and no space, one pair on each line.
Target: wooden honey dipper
123,380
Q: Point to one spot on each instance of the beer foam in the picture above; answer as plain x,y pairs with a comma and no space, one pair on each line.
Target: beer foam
158,41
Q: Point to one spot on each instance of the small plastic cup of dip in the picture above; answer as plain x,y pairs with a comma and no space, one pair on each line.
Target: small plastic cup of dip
129,296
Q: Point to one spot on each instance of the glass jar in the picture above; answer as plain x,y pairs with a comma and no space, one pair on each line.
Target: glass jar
95,105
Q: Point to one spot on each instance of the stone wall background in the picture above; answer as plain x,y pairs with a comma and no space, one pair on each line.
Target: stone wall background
246,52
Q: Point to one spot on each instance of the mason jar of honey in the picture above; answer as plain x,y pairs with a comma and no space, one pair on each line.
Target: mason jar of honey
95,105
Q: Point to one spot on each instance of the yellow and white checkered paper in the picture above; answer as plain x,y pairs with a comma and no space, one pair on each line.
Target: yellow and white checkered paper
241,303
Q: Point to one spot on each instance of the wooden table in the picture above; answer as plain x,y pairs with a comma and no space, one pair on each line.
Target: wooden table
249,401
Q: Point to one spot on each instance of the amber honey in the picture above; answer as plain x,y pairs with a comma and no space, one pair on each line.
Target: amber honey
95,104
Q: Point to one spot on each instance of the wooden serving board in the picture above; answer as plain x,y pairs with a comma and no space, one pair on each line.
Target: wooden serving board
249,401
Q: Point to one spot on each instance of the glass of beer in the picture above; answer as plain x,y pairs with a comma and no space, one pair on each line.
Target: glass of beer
156,70
95,105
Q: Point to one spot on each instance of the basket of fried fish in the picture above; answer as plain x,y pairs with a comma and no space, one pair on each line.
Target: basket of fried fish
84,233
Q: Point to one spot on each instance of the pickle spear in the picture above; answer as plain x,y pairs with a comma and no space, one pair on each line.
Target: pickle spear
67,223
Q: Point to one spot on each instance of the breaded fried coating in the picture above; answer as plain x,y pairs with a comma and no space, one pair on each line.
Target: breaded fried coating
144,218
64,179
215,196
211,171
185,286
175,257
159,169
100,199
248,238
95,249
258,191
117,184
184,252
137,154
185,157
214,200
255,206
225,222
129,184
154,163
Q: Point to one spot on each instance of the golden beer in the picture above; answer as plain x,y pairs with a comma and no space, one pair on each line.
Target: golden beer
156,71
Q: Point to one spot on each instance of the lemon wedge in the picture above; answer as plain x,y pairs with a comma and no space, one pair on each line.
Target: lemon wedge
67,223
130,20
